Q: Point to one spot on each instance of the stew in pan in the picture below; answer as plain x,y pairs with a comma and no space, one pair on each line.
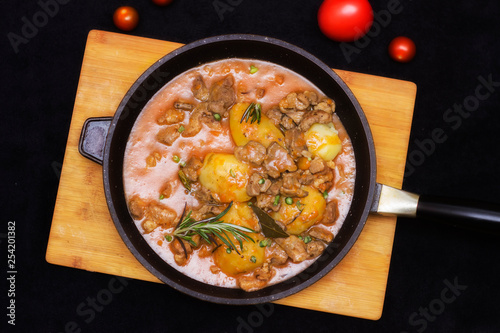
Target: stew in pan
239,173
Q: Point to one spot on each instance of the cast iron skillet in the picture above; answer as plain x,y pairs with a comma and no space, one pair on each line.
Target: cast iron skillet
368,195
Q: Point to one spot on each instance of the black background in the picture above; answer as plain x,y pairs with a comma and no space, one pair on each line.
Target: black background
457,44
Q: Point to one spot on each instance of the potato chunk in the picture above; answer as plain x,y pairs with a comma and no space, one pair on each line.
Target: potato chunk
243,132
322,140
225,176
298,217
252,255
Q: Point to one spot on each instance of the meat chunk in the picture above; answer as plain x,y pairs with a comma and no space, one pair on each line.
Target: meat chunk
275,115
295,142
167,189
317,165
291,186
193,165
314,117
202,194
258,280
326,105
207,210
253,153
264,273
216,107
278,160
287,122
323,180
276,255
257,183
330,214
200,90
180,105
222,93
148,225
162,215
311,96
315,248
168,135
250,283
288,103
298,101
171,116
181,251
302,102
266,202
321,234
200,116
296,116
136,207
306,178
275,187
294,247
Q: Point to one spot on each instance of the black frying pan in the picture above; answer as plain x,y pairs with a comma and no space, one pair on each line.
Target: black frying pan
368,195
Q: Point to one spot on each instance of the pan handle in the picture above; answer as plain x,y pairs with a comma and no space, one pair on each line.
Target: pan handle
457,212
93,138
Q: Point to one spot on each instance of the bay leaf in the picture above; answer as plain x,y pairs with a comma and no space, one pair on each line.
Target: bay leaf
268,225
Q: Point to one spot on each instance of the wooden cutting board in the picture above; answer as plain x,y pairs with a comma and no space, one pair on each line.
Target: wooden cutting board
83,235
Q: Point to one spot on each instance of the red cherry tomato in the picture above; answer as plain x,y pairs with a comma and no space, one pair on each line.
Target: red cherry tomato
163,2
126,18
345,20
402,49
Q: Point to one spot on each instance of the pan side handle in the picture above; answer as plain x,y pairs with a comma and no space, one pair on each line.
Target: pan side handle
93,138
457,212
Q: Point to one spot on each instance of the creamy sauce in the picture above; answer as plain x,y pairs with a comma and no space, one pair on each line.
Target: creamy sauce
147,182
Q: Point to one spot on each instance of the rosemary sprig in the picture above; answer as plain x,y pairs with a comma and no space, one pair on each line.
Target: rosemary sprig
211,229
254,111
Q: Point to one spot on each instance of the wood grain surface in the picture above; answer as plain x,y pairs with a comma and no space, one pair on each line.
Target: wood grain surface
83,235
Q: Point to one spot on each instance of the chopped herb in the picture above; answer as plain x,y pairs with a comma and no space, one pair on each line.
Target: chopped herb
307,239
262,181
300,205
176,159
182,163
276,200
168,238
265,242
184,180
325,194
231,172
181,129
300,237
289,201
228,250
253,259
217,117
254,111
162,197
253,69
